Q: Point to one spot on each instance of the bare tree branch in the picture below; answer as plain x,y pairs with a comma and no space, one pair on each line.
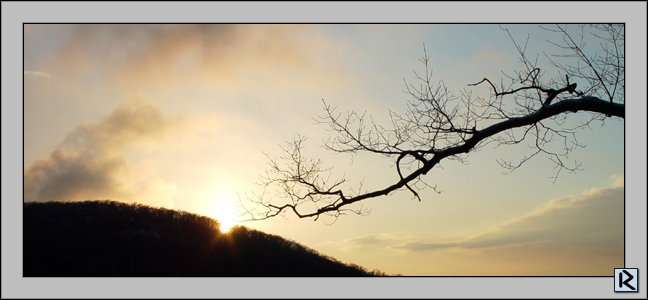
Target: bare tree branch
438,125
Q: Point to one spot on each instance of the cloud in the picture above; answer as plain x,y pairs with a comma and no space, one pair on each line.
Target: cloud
572,236
255,70
594,218
618,179
382,240
592,221
155,54
75,176
139,120
90,163
36,74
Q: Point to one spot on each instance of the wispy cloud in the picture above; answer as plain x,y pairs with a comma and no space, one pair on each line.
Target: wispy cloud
279,68
380,240
594,218
585,230
180,54
36,74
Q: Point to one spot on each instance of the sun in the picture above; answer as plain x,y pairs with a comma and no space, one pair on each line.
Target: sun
226,225
224,218
223,212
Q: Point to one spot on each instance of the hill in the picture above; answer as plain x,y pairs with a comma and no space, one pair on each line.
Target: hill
109,238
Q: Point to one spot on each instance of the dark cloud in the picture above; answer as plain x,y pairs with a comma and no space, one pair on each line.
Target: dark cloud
90,163
73,176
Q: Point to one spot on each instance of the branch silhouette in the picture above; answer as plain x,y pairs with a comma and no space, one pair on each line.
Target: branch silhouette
440,126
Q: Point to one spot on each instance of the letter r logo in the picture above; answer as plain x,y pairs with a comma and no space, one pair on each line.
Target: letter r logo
626,280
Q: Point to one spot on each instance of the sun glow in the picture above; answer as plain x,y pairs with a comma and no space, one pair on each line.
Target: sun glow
225,225
223,212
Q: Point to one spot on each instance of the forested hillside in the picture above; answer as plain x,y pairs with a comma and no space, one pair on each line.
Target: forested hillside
109,238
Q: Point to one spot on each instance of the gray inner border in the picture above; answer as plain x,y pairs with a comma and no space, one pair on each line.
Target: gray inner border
15,13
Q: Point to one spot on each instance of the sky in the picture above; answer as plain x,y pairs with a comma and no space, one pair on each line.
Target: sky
180,116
